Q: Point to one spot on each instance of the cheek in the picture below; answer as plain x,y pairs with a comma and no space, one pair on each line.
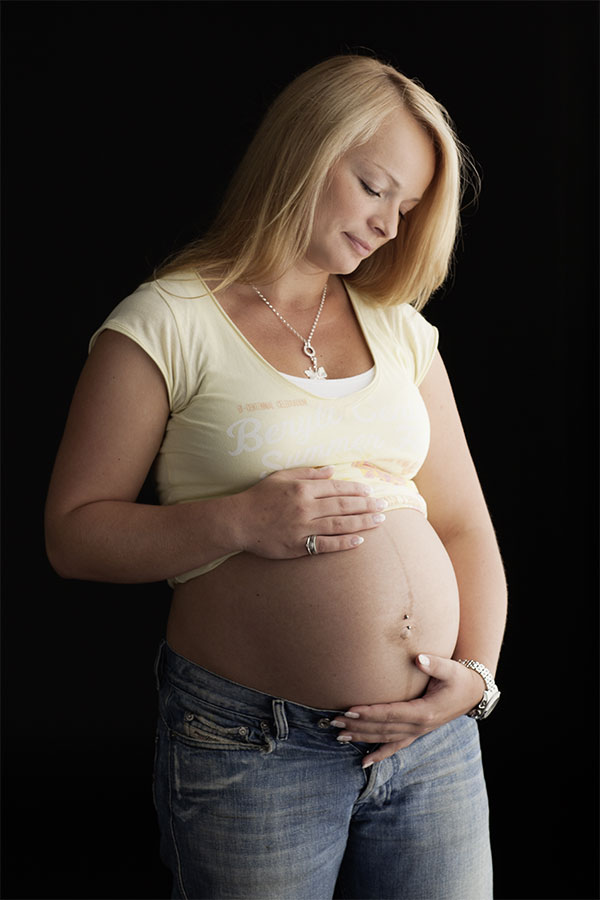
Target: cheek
327,209
339,210
340,199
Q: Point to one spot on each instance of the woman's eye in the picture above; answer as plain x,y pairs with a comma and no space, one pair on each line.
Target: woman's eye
369,190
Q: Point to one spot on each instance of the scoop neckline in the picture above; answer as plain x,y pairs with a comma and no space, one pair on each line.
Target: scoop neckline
282,376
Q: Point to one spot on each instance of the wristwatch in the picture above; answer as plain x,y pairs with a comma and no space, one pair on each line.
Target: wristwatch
491,694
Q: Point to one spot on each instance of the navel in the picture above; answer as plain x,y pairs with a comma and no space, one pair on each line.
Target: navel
407,627
404,629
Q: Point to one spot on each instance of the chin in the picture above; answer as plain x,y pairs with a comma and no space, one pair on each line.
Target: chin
341,266
336,263
348,269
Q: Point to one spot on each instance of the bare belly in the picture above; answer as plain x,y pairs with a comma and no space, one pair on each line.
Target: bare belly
331,631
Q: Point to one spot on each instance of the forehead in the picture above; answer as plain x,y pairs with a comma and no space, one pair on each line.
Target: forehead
402,148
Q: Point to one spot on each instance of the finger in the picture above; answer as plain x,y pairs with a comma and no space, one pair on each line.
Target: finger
380,713
336,488
384,752
344,533
302,473
347,506
329,486
437,666
340,525
385,719
334,544
374,732
323,473
445,672
383,734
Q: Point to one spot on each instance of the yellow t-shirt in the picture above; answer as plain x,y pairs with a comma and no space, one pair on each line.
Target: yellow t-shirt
235,418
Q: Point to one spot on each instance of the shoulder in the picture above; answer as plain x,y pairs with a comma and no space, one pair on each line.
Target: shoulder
161,303
419,338
414,338
175,291
400,319
164,317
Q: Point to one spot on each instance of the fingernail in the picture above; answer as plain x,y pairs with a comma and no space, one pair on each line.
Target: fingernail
424,660
351,715
344,738
367,489
366,763
382,504
379,518
337,724
356,541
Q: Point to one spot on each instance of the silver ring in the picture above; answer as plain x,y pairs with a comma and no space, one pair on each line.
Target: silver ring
311,545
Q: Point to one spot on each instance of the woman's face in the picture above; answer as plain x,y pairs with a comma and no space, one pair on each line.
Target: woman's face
370,188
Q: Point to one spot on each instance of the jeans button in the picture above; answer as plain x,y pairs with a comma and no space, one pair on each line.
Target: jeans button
243,731
324,723
189,717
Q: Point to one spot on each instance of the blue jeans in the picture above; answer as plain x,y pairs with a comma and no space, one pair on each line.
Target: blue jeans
257,799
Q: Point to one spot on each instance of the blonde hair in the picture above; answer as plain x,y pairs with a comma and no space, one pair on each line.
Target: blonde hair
265,222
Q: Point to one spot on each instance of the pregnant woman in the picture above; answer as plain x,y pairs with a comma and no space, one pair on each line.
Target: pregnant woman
338,594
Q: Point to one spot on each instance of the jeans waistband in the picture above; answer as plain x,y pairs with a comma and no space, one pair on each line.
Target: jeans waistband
211,688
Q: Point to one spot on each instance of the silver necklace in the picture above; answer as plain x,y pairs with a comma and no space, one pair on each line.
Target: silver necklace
317,372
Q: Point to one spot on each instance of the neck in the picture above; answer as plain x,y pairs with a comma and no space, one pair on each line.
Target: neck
296,291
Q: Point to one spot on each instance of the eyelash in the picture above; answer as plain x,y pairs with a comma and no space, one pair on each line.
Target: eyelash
372,193
369,190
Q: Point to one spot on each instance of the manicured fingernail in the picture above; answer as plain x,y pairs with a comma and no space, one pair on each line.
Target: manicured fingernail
366,763
367,489
379,518
337,724
351,715
424,660
344,738
357,540
382,504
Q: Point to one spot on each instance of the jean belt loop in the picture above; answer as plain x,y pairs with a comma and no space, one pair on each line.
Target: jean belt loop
281,722
158,667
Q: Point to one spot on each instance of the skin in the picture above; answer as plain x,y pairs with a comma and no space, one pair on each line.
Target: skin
96,531
393,170
458,513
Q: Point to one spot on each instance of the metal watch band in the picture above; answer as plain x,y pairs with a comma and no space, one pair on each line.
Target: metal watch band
491,694
485,673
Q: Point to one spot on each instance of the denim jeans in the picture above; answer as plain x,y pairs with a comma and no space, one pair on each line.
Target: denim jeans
257,799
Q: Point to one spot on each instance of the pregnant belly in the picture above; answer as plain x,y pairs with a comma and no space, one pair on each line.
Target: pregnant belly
330,631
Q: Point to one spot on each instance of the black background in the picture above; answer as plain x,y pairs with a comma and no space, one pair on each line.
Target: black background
122,124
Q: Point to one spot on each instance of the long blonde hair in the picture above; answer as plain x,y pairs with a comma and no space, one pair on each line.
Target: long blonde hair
265,222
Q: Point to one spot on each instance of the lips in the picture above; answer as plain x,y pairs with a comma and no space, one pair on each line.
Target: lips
361,247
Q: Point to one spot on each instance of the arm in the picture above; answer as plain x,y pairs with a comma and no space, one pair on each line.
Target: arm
96,531
458,513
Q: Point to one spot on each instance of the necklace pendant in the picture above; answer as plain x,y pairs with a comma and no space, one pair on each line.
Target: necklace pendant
316,374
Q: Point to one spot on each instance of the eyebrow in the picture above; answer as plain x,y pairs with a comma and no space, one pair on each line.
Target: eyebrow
393,180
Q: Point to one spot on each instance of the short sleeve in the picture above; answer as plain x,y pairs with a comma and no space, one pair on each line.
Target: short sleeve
148,319
419,340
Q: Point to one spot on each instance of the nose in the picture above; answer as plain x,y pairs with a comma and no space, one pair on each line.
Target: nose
385,223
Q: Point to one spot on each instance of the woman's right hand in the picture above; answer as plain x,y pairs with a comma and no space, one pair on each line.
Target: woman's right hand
276,516
95,529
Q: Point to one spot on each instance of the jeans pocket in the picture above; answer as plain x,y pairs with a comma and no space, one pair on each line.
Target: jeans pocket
201,724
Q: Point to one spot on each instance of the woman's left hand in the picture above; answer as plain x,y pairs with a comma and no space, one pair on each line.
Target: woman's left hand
452,691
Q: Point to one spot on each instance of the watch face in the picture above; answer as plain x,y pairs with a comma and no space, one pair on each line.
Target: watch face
490,704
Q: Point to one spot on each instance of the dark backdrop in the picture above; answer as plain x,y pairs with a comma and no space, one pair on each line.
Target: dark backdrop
122,123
